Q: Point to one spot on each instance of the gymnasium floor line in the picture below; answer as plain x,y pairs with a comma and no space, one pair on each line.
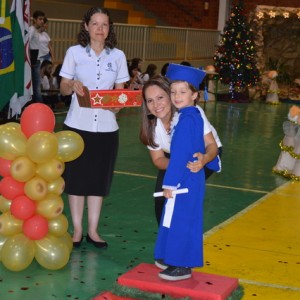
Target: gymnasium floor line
208,184
259,246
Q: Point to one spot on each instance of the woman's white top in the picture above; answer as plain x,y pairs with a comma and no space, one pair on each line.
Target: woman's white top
145,77
44,43
100,72
163,139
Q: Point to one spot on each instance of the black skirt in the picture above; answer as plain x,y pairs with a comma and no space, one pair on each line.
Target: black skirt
92,172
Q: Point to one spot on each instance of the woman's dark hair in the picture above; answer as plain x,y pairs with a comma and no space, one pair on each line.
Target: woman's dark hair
130,70
56,73
38,13
151,69
164,69
148,121
135,63
83,37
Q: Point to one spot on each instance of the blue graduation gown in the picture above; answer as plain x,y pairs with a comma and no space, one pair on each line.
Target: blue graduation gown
181,244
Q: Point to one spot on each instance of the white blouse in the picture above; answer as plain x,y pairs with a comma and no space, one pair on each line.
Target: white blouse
163,139
100,72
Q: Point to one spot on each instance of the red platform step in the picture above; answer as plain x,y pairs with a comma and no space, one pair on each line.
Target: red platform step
201,286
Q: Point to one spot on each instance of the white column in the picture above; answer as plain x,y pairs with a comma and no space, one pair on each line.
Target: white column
224,10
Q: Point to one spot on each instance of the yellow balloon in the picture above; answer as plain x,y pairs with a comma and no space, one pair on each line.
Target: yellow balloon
51,170
67,240
51,206
42,146
18,252
4,204
70,145
36,188
52,253
22,169
58,226
56,186
9,225
12,125
2,242
12,141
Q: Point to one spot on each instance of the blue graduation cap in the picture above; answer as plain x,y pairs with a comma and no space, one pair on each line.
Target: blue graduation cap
190,74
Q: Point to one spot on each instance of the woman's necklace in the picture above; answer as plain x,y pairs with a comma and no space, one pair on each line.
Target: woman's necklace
167,127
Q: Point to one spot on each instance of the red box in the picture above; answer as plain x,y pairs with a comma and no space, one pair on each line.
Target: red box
110,98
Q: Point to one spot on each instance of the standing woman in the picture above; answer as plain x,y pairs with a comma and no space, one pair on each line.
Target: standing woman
98,65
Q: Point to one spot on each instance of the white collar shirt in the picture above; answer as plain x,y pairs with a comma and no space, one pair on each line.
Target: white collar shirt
163,139
96,73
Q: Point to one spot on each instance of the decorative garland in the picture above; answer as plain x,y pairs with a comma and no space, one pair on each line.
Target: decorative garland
286,174
274,91
257,18
273,103
289,149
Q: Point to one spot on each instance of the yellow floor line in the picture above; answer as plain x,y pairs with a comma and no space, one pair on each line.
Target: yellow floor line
260,246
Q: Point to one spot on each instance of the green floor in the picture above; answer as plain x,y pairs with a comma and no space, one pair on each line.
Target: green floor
250,134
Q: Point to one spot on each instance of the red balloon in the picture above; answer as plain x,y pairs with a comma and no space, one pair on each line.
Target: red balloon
36,227
5,167
22,207
11,188
37,117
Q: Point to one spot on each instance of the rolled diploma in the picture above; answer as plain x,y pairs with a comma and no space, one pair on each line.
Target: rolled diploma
175,192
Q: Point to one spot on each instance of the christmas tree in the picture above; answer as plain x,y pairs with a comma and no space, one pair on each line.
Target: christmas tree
235,58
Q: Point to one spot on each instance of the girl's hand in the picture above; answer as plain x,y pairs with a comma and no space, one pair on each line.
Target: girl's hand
168,193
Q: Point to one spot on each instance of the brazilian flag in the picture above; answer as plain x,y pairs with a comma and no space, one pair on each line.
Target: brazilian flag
11,55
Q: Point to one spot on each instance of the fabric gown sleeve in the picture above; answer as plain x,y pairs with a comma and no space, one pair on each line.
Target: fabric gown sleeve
182,150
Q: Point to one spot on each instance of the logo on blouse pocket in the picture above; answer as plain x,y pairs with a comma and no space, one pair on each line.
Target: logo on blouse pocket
109,68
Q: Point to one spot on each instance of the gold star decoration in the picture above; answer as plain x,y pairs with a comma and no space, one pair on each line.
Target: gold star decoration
286,15
272,14
260,15
97,99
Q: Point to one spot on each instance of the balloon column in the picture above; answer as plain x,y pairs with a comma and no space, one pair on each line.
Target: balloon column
32,159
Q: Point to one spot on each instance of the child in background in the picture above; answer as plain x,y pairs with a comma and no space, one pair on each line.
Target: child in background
179,243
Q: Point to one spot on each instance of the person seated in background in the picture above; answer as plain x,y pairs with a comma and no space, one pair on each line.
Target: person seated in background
135,69
46,75
134,82
149,73
62,100
49,92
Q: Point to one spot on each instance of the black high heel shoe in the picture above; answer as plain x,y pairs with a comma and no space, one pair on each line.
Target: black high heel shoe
100,245
77,244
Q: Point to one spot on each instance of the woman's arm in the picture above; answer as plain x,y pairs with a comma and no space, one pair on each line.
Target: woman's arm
51,51
159,160
211,151
68,86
